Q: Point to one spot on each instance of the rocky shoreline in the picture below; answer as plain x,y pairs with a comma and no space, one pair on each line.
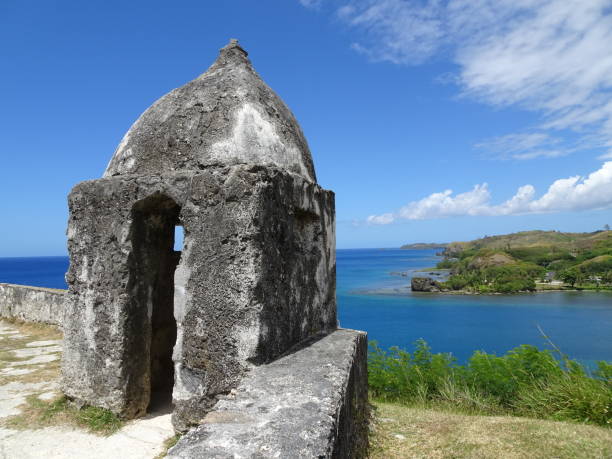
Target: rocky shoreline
429,285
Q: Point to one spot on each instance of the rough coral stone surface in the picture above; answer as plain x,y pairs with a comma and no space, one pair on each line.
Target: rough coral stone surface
226,116
32,304
310,403
256,276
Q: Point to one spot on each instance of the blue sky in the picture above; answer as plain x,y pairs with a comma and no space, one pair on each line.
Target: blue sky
431,120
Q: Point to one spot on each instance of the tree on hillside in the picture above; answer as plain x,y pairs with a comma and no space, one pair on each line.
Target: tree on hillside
572,276
569,277
606,227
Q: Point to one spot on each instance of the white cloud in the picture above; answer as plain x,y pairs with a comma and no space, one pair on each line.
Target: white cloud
549,56
569,194
445,205
523,146
311,3
383,219
406,34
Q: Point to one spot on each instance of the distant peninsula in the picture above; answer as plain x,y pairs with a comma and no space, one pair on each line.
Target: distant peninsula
525,261
423,246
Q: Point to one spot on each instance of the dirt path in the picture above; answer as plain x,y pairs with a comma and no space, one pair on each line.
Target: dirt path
29,368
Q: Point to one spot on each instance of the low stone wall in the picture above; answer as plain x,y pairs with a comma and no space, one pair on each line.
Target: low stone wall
312,402
32,304
309,403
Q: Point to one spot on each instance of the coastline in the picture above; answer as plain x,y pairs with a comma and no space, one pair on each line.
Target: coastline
442,274
407,291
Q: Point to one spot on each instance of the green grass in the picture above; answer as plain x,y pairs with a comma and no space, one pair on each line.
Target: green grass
37,413
399,431
98,420
524,382
169,443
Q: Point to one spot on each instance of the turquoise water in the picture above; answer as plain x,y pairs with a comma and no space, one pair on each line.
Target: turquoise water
579,323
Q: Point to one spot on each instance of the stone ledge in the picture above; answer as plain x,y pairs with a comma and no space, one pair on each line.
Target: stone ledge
311,402
32,304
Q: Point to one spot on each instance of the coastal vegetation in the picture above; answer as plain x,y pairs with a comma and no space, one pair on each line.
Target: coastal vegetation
524,382
528,261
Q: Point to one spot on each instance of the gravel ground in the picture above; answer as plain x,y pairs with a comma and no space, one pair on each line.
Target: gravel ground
29,366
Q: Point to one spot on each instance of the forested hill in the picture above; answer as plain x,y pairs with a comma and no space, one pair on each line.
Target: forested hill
515,262
423,246
536,240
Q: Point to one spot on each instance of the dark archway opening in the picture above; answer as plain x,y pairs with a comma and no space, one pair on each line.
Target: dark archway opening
155,222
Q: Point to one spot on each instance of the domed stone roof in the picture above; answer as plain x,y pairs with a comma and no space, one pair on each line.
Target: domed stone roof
226,116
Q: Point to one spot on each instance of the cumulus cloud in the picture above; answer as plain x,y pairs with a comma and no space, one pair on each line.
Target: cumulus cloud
549,56
569,194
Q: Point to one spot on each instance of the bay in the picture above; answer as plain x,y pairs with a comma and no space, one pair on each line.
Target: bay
580,323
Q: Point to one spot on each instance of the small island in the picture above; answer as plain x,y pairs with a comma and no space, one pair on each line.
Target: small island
525,262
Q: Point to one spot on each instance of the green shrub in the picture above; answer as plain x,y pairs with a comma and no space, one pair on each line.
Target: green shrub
503,279
525,381
398,375
446,264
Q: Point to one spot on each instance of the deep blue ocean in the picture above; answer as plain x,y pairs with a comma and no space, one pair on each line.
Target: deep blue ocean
580,323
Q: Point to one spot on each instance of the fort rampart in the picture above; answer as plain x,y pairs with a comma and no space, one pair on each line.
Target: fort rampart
32,304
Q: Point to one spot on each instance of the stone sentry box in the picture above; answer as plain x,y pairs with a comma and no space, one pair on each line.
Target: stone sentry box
225,159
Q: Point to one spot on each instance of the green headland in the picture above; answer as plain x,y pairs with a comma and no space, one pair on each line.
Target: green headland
529,261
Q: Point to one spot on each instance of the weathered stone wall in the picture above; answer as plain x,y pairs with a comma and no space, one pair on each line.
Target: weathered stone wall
32,304
255,277
310,403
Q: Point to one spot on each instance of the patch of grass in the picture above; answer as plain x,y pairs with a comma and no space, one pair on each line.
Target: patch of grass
399,431
571,397
28,333
98,420
8,356
541,286
37,413
41,372
168,443
35,331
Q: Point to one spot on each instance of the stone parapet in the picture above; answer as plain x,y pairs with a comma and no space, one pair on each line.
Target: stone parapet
312,402
32,304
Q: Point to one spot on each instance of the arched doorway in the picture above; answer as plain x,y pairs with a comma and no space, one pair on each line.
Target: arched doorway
152,267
